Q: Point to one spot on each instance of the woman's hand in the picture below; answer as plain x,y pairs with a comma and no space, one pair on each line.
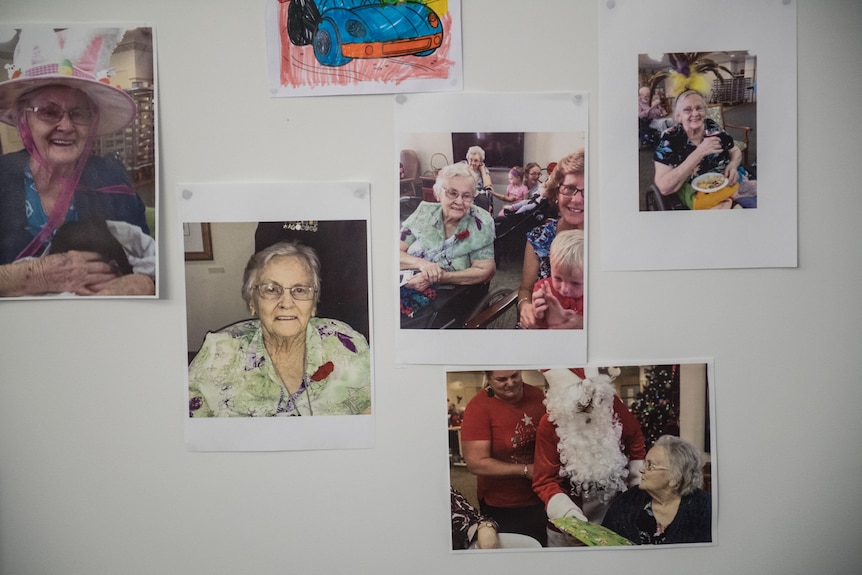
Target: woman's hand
527,315
431,271
131,284
486,537
428,274
72,272
730,171
709,145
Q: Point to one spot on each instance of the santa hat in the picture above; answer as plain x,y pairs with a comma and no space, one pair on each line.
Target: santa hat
74,57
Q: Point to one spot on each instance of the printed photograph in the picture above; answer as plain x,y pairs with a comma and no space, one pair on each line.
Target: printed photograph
78,168
697,130
288,336
487,183
581,457
494,237
278,316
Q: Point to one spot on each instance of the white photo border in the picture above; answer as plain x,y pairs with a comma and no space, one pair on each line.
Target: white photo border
761,237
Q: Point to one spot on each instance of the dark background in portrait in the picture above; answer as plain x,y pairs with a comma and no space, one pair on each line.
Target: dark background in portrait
341,246
502,149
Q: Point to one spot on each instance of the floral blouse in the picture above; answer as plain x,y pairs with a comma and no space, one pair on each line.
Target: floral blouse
473,240
674,147
540,238
233,375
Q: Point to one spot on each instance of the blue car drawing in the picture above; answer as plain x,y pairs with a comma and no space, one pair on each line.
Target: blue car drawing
342,30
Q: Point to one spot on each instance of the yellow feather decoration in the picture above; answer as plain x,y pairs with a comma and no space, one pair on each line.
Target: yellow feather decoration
679,83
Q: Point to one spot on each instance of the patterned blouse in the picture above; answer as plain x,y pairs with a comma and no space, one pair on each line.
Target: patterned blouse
674,147
465,520
540,238
234,376
473,240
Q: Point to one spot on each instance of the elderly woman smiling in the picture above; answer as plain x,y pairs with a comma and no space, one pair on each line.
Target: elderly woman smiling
697,145
55,179
669,505
450,242
285,362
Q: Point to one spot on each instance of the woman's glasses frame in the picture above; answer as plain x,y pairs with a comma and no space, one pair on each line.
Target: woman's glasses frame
453,194
54,114
650,466
569,191
275,291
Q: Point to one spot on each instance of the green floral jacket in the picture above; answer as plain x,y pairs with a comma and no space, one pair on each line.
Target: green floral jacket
233,375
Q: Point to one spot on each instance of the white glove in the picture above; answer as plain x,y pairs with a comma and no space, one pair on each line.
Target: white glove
560,505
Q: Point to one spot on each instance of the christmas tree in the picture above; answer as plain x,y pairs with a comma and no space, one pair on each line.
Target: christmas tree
656,407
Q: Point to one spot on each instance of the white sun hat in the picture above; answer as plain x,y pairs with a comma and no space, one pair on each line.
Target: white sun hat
78,57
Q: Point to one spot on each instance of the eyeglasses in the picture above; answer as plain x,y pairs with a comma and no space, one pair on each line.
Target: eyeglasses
53,114
567,190
650,466
689,109
455,194
275,291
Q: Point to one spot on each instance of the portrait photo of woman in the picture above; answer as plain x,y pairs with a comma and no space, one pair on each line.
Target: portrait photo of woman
78,180
279,322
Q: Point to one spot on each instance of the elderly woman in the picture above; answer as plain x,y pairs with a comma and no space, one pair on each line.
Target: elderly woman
652,110
498,437
695,146
669,505
59,109
484,188
450,241
564,190
286,361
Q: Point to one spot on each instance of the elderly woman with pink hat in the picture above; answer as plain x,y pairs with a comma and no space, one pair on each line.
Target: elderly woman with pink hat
59,107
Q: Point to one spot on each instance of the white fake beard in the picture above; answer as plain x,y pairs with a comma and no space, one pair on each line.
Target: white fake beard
589,443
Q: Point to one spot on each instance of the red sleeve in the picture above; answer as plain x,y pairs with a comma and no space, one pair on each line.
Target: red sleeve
476,425
546,462
632,437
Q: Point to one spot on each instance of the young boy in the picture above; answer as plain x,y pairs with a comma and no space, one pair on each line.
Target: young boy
558,300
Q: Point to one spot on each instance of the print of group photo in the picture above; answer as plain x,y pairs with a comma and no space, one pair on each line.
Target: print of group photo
478,214
582,457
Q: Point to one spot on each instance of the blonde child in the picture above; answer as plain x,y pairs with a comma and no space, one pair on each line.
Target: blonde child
558,300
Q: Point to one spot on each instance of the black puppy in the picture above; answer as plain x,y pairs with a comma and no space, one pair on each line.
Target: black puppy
91,235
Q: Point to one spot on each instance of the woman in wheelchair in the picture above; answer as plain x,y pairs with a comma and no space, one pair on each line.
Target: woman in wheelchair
697,145
445,244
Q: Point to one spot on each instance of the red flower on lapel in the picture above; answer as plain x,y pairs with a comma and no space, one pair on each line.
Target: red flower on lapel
323,371
462,235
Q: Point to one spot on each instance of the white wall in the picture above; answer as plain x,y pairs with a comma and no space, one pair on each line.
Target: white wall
94,476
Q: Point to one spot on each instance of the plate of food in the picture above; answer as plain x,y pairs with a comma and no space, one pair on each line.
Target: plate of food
708,183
